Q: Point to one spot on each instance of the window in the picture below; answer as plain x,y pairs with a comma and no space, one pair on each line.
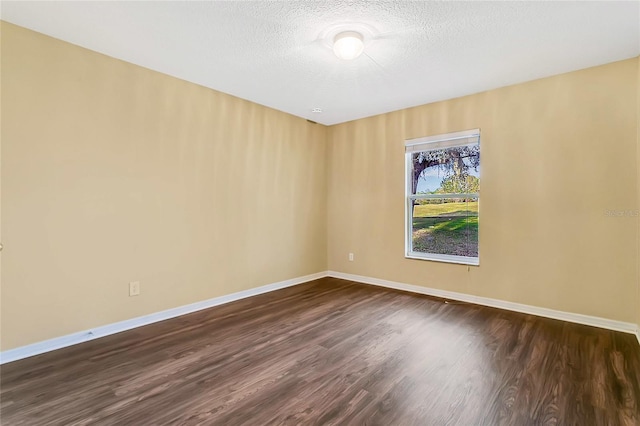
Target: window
442,197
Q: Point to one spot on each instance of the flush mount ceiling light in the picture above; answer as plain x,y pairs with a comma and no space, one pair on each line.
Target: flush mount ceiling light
348,45
347,39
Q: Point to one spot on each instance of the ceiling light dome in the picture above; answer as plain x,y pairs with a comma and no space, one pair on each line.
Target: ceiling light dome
348,45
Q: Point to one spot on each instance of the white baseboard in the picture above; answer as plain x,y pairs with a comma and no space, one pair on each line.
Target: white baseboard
106,330
608,324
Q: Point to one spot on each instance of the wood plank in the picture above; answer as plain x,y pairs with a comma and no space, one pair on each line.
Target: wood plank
335,352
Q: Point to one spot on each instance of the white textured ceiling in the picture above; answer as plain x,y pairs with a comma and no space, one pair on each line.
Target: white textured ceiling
276,53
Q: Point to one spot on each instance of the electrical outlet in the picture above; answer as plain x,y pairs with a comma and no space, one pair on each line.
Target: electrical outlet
350,257
134,288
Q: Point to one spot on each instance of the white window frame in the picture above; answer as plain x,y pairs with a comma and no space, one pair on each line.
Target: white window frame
447,140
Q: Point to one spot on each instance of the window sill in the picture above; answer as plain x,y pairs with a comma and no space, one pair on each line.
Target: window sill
462,260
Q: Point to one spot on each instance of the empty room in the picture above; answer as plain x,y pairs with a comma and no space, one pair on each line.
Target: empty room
320,213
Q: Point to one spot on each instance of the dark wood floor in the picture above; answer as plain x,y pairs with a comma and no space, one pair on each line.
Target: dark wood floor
335,352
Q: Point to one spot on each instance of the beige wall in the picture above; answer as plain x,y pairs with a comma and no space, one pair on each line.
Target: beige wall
638,200
556,153
113,173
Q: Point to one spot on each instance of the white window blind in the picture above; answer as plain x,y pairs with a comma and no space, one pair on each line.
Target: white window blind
467,137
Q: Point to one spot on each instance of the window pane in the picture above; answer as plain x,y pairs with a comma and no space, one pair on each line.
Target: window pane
445,226
446,171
